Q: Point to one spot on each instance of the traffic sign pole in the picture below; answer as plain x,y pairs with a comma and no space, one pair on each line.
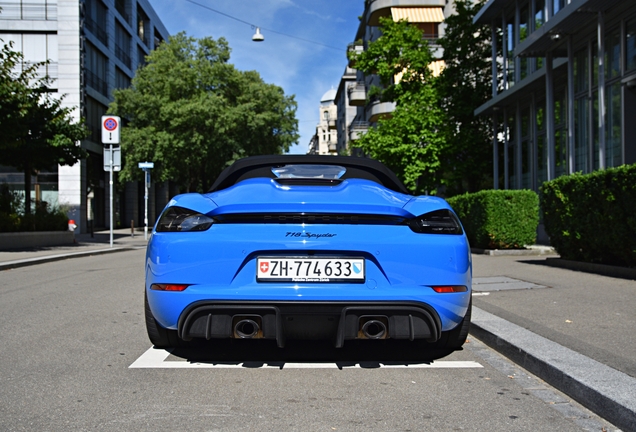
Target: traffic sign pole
111,195
146,206
110,136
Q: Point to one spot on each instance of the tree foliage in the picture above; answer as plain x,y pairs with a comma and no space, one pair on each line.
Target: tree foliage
192,113
464,85
38,133
409,141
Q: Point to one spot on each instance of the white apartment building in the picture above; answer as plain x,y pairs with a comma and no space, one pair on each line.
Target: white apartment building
428,15
94,47
325,140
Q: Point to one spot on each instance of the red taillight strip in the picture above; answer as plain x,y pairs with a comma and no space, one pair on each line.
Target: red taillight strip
449,288
168,287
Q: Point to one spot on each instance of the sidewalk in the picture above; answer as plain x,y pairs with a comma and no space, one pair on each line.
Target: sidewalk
85,244
575,330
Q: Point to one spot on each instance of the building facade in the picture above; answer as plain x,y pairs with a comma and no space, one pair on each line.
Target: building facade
428,15
563,87
94,47
324,141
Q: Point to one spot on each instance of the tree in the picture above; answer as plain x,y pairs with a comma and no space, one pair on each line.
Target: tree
409,141
40,133
465,84
193,113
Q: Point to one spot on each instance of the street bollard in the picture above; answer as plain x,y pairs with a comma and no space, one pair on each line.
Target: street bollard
132,228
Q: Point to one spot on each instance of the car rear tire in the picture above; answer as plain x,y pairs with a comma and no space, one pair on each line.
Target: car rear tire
159,336
455,338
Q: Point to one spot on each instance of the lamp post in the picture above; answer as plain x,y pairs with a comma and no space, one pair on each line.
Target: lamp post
146,166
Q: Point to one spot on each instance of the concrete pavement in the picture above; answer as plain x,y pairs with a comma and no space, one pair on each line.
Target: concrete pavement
576,330
98,243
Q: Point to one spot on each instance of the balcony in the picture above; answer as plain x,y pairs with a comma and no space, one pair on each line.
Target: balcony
382,8
357,129
357,94
354,47
377,110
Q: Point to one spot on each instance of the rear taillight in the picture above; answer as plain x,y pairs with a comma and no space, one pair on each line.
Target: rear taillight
168,287
449,288
436,222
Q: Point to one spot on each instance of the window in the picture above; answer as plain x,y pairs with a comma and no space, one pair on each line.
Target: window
560,132
510,60
523,23
630,45
96,69
122,45
121,79
94,113
141,57
542,146
123,8
36,48
526,150
613,135
36,10
143,26
95,19
512,160
613,54
158,39
539,14
558,5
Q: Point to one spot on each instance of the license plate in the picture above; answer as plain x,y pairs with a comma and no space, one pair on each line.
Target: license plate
309,269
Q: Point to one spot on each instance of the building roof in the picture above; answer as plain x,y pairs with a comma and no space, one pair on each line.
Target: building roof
330,96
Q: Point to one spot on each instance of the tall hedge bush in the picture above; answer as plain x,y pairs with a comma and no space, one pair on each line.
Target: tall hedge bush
592,217
498,219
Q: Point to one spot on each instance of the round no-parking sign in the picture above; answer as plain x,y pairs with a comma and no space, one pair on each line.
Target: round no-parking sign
110,129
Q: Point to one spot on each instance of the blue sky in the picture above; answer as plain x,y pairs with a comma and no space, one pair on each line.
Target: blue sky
304,69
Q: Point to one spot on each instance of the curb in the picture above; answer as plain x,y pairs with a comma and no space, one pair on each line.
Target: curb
609,393
7,265
602,269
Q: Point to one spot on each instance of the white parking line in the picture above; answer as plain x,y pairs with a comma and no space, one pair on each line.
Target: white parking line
156,358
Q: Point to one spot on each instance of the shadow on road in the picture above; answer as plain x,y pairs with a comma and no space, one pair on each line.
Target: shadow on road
255,353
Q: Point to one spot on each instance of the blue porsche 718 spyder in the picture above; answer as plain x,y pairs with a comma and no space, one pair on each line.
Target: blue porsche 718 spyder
308,247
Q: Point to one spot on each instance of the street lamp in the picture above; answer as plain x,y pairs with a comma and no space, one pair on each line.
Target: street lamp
258,37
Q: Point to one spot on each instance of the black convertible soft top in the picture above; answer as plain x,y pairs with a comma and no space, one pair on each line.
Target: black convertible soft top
261,166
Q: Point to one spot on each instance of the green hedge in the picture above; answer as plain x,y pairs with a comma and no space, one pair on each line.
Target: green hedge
498,219
592,217
43,218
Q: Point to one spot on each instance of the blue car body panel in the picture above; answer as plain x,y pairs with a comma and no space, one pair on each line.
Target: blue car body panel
220,262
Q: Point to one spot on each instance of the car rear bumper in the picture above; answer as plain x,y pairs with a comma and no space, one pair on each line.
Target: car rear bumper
310,320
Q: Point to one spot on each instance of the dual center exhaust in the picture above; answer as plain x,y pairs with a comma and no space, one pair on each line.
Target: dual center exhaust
249,327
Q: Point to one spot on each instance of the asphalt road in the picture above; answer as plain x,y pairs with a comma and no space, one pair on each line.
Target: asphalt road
72,329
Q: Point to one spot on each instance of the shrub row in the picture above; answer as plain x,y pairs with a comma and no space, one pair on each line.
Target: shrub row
44,217
498,219
592,217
